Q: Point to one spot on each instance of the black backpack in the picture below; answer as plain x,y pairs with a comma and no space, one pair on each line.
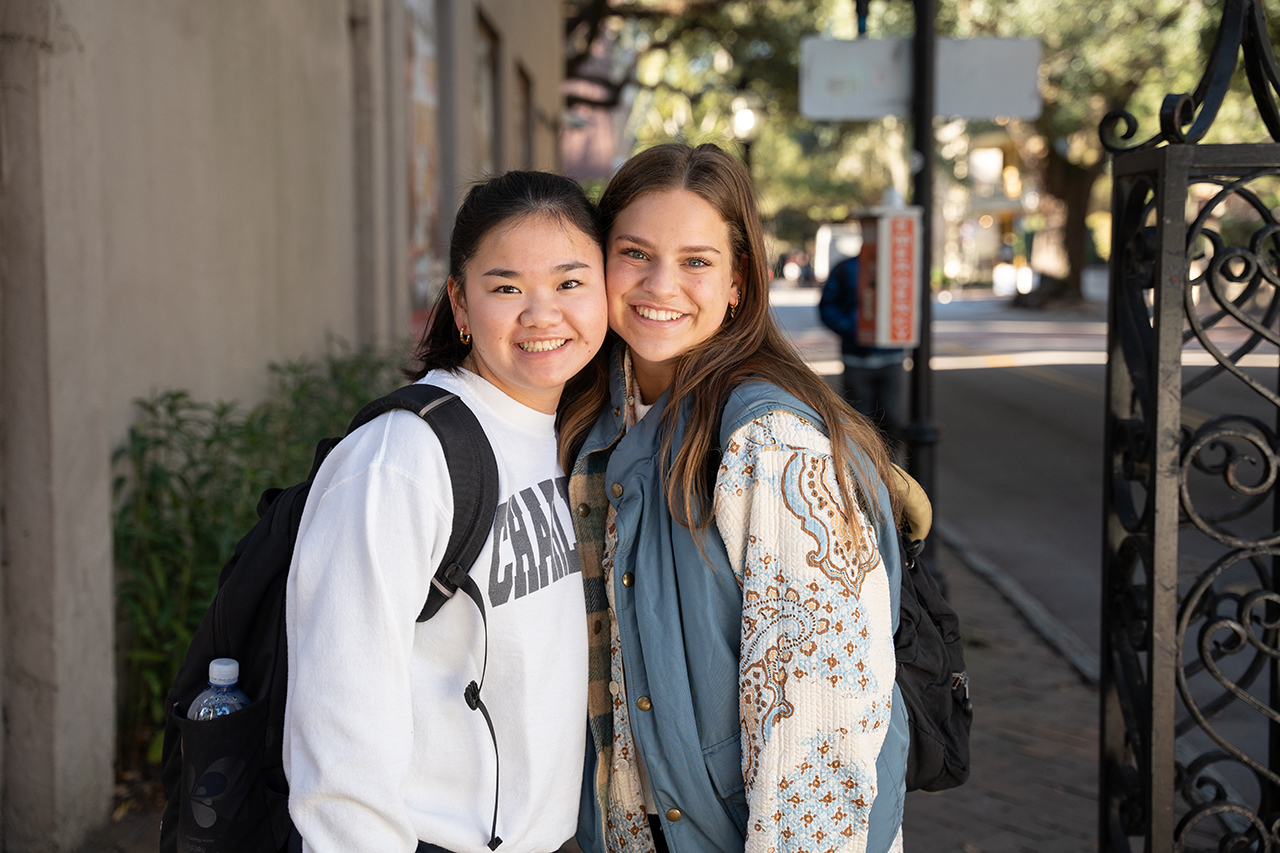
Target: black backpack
224,779
932,678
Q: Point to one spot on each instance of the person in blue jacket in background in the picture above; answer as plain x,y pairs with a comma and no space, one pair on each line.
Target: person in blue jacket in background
872,375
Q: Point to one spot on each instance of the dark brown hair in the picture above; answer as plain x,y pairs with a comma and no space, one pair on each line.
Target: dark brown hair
499,200
748,346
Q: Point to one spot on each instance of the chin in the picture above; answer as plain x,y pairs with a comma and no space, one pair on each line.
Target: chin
549,381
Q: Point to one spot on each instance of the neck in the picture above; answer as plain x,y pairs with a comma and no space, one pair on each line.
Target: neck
651,379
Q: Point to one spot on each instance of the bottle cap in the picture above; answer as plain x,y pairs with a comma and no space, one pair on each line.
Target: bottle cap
224,671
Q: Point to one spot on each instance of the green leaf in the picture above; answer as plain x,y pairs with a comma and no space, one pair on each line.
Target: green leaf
186,482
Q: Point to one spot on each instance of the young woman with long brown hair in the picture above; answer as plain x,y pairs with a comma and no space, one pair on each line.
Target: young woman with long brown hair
736,525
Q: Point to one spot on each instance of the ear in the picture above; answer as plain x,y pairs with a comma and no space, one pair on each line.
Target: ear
735,289
458,300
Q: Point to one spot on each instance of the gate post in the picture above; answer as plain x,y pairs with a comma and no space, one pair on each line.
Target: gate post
1190,699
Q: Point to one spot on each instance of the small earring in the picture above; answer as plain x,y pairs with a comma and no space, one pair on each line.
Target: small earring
733,310
464,336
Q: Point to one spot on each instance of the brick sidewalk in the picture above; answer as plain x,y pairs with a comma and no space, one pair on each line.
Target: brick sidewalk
1034,747
1034,743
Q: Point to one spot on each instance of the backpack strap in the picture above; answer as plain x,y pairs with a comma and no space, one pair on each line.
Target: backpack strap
473,477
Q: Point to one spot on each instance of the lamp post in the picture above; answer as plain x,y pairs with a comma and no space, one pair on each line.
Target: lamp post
921,433
748,112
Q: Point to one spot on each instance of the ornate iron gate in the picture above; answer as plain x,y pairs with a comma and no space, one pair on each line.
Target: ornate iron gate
1190,753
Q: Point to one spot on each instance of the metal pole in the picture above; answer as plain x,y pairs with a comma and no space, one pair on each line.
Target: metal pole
921,434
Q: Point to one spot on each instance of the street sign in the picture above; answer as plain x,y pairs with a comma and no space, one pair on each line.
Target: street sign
871,78
888,278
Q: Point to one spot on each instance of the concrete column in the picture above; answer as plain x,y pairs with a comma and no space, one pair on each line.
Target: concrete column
361,23
456,23
378,98
396,169
56,622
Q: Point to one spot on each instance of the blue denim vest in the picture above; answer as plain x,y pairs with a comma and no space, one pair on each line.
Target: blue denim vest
680,627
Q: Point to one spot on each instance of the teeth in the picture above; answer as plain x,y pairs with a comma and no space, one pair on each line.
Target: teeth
542,346
657,314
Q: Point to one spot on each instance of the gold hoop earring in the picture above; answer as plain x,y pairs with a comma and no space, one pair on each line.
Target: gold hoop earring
464,336
733,310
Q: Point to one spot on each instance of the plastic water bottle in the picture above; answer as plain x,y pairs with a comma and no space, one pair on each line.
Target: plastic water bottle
222,697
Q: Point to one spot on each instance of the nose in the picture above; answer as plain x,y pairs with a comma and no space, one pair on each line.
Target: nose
542,310
661,281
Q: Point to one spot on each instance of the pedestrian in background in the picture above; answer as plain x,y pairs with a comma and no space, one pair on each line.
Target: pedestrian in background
872,375
736,524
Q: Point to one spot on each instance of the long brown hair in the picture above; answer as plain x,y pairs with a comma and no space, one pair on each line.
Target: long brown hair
748,346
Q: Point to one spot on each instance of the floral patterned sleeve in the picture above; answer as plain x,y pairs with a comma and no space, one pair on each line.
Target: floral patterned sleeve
817,664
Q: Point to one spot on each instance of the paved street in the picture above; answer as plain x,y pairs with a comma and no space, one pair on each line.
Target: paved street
1034,741
1020,462
1018,399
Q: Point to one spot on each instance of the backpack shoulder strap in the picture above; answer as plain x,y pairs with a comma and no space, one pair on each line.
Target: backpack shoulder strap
473,476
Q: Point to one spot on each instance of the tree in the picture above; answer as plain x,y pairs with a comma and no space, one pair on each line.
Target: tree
1123,55
687,58
682,63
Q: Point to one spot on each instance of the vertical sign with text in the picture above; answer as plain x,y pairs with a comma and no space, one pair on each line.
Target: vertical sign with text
888,286
902,280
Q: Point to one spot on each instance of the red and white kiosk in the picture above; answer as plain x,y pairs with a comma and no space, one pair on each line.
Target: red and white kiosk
889,277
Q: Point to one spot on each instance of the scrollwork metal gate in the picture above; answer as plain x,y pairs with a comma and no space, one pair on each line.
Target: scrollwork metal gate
1190,709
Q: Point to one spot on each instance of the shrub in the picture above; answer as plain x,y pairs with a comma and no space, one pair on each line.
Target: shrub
187,481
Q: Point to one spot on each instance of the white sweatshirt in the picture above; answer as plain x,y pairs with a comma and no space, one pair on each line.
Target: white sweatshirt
380,748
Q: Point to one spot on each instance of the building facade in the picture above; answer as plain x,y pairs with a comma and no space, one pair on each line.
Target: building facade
188,192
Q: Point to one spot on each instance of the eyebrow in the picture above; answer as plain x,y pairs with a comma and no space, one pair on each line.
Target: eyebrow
567,266
645,244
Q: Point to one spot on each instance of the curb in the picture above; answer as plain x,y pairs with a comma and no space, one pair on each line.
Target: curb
1055,633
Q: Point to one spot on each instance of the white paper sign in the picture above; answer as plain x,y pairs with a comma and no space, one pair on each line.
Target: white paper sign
871,78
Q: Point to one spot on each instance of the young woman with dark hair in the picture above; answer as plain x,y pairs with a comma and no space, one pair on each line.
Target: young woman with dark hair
736,526
381,751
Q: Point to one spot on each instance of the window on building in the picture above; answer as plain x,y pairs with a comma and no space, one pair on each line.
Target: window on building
526,118
422,77
486,112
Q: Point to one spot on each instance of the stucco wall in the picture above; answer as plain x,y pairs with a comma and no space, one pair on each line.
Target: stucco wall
532,31
226,187
530,35
229,184
57,583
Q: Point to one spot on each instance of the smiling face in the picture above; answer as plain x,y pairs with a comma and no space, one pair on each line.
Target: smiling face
534,304
671,278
